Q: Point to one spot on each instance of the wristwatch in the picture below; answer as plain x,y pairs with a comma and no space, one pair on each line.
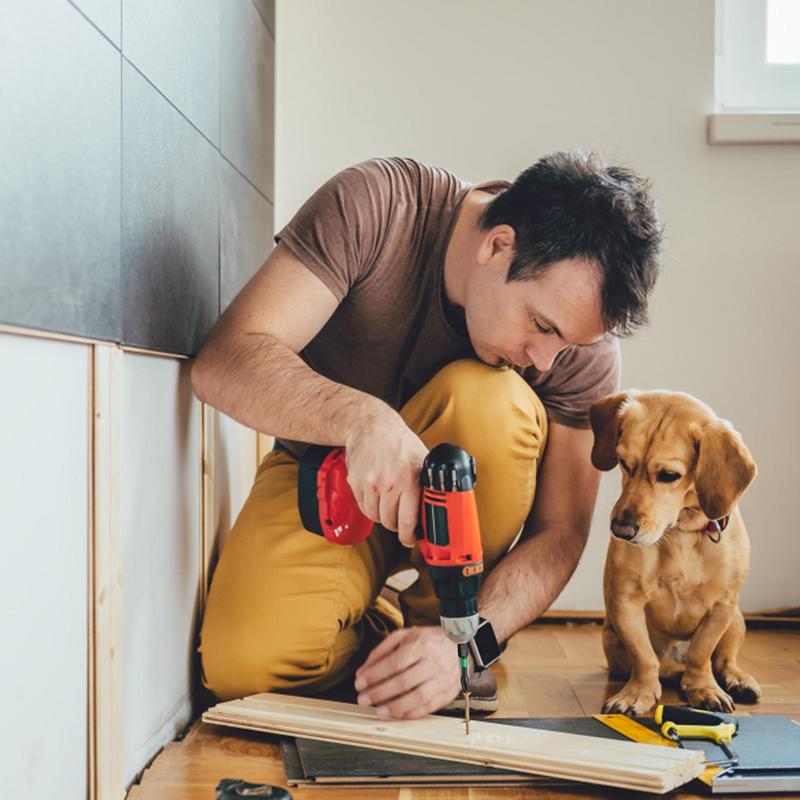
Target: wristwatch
484,646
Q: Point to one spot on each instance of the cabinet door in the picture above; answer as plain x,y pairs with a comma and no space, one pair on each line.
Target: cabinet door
44,523
160,479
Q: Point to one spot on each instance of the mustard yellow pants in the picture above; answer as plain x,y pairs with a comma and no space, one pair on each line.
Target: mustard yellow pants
289,611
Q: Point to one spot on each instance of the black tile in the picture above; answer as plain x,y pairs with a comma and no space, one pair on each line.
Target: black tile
267,10
170,238
176,46
247,98
245,232
59,172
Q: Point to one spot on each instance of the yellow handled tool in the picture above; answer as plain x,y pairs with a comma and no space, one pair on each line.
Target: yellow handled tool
683,722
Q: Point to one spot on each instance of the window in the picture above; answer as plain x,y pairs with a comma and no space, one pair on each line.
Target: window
758,55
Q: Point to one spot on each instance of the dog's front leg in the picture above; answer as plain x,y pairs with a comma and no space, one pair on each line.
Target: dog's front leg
643,690
698,684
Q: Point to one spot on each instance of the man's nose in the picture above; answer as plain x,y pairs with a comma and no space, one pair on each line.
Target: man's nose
542,359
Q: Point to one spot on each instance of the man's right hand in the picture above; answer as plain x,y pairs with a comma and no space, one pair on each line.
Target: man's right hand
384,460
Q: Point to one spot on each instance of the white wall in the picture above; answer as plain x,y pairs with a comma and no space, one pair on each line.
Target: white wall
484,89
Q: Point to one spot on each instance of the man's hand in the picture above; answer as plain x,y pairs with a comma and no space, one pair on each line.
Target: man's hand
411,673
384,459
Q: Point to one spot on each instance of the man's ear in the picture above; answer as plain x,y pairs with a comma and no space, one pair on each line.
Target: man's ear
605,419
724,467
499,239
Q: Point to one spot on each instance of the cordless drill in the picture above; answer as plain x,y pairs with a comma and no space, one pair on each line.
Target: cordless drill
449,533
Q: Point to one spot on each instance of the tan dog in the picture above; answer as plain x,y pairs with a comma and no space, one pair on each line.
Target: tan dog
672,579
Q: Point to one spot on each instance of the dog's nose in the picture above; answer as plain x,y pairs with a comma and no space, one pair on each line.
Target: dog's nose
623,529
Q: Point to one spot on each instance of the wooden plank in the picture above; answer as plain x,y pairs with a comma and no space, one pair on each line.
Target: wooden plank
559,755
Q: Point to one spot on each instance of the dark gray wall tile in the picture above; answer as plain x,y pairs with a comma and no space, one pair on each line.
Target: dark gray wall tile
106,14
247,121
267,10
59,171
176,45
170,238
245,232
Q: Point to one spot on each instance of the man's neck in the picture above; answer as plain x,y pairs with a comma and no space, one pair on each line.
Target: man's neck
459,258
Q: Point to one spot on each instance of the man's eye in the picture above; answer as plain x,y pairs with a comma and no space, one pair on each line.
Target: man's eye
541,328
665,476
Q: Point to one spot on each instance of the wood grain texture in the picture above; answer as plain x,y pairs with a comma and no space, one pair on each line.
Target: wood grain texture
551,753
106,627
191,768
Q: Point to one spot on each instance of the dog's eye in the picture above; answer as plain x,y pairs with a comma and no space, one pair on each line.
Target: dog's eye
665,476
624,465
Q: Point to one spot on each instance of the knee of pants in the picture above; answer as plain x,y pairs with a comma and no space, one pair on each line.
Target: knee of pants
496,416
491,412
282,654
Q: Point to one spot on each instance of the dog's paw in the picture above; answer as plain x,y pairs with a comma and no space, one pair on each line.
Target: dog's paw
712,698
742,687
634,699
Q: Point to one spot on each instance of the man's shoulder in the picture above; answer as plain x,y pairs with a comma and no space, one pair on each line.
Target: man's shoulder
400,174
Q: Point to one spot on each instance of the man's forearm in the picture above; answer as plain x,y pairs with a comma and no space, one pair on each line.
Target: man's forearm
259,381
529,578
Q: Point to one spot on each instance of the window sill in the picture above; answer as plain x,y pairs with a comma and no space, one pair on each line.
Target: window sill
754,128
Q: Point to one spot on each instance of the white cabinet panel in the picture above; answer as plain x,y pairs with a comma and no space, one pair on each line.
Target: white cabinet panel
160,479
44,418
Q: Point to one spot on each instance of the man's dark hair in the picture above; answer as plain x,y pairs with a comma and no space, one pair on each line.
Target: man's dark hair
572,205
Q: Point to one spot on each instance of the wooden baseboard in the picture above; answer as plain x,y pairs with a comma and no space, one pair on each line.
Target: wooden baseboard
787,618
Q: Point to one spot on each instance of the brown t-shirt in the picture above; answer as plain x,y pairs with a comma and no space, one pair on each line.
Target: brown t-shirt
376,235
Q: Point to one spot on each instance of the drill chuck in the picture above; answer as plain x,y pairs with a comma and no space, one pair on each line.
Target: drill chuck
460,630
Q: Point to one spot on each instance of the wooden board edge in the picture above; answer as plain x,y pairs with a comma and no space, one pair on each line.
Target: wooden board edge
106,581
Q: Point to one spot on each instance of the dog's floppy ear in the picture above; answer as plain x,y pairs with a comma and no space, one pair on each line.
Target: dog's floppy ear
724,468
604,415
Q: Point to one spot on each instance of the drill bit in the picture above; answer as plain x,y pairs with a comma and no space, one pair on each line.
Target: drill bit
463,656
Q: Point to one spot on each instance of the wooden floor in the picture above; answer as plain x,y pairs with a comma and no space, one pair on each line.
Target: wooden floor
548,670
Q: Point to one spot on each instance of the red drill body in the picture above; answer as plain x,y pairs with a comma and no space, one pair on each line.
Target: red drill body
449,533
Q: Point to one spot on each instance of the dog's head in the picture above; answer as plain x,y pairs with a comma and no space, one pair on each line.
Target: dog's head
677,457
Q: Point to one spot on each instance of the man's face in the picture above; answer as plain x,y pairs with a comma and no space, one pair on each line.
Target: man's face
527,323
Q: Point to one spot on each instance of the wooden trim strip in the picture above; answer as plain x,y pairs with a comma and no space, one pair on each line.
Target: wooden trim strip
106,537
36,333
209,425
91,709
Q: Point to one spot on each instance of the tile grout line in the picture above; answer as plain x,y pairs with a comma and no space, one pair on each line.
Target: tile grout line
161,93
96,27
266,24
216,147
242,175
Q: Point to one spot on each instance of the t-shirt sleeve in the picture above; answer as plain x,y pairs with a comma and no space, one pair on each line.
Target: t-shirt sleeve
337,231
581,375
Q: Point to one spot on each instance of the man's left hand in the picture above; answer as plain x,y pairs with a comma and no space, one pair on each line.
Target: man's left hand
411,673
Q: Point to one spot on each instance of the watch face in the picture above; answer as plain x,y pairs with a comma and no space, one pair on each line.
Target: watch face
486,644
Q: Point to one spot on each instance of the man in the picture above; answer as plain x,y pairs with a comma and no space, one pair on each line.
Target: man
400,309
